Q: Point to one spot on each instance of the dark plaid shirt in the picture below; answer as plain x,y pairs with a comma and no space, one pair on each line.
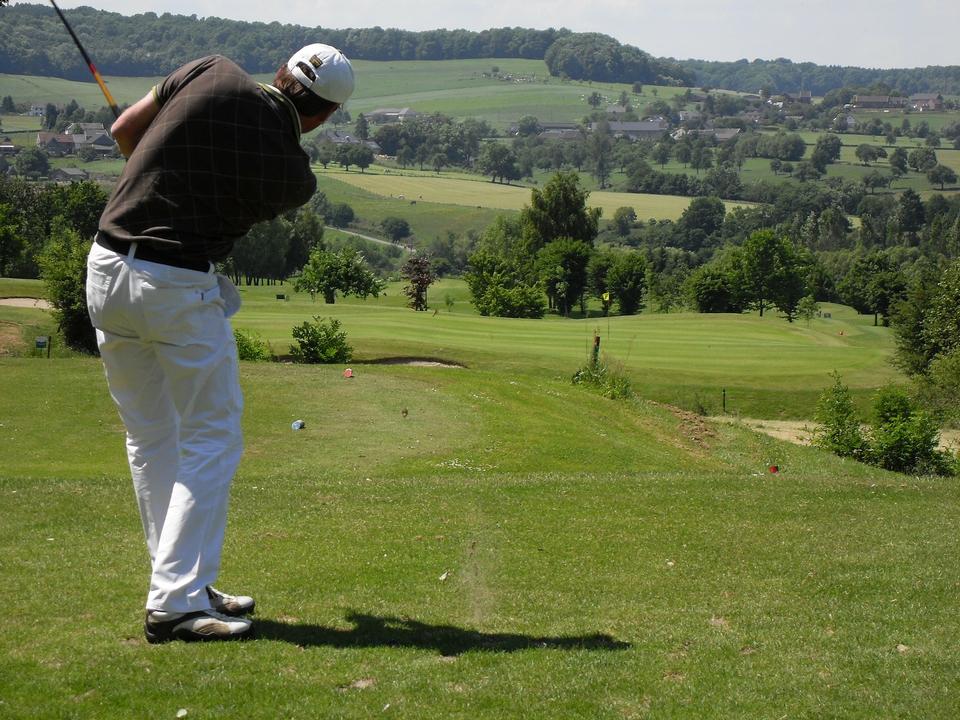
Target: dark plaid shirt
222,154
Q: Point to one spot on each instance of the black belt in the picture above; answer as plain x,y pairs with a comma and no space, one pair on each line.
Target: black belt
149,253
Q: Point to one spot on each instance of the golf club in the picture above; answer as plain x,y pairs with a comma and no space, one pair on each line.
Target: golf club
93,68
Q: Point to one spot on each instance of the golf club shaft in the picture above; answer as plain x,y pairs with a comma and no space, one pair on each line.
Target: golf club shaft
93,68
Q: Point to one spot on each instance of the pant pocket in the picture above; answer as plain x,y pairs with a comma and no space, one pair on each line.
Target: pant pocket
98,286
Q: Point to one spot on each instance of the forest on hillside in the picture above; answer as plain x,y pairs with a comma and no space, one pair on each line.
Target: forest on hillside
33,42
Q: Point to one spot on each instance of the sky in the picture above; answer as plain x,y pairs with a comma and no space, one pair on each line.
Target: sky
864,33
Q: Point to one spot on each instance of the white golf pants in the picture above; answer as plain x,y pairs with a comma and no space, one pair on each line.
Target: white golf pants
171,365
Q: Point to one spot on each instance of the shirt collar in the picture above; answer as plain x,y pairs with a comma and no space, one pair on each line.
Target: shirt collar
285,101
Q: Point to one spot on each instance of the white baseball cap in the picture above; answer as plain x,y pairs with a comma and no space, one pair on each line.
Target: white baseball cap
324,70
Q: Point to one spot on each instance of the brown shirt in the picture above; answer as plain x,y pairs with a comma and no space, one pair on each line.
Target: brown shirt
222,154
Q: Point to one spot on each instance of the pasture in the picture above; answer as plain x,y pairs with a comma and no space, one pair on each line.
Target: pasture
459,88
412,187
488,541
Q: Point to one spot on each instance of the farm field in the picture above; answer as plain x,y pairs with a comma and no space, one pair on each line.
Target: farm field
489,541
480,193
454,87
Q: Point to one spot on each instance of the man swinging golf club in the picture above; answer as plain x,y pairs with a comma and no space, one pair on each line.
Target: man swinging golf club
210,152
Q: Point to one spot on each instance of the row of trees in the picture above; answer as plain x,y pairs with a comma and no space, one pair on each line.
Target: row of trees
150,44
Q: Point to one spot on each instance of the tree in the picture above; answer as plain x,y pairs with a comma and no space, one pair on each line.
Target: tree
942,320
915,349
560,210
328,273
528,126
306,233
867,153
771,272
595,100
598,268
661,153
418,272
922,159
626,282
701,157
87,153
50,116
599,151
395,228
898,162
910,212
7,106
339,215
261,254
805,171
623,220
941,175
873,285
31,162
715,288
876,179
701,221
326,152
361,156
361,128
827,150
498,161
562,267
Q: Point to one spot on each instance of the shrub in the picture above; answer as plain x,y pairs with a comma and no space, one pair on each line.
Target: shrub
609,381
63,267
320,341
939,388
250,346
839,430
904,438
521,301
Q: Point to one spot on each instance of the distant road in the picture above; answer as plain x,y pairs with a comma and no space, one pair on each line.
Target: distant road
373,239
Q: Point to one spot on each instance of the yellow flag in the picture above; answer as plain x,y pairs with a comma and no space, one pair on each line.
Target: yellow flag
606,297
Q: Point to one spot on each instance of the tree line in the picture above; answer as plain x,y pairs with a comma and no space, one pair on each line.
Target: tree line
34,43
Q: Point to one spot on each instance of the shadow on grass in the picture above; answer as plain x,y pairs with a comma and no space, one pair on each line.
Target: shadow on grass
375,631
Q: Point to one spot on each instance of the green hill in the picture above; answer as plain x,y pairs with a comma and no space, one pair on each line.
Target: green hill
488,541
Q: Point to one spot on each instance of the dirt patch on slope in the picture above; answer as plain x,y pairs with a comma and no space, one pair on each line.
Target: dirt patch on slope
26,302
800,432
10,339
693,428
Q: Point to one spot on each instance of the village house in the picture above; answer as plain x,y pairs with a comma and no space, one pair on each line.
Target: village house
878,102
804,97
7,147
718,134
645,130
926,101
616,110
690,117
560,134
341,138
388,116
68,175
78,135
56,144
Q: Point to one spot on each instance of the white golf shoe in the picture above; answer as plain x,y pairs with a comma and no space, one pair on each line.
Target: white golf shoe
162,626
233,605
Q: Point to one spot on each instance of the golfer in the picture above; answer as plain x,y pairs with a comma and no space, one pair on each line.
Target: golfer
210,152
